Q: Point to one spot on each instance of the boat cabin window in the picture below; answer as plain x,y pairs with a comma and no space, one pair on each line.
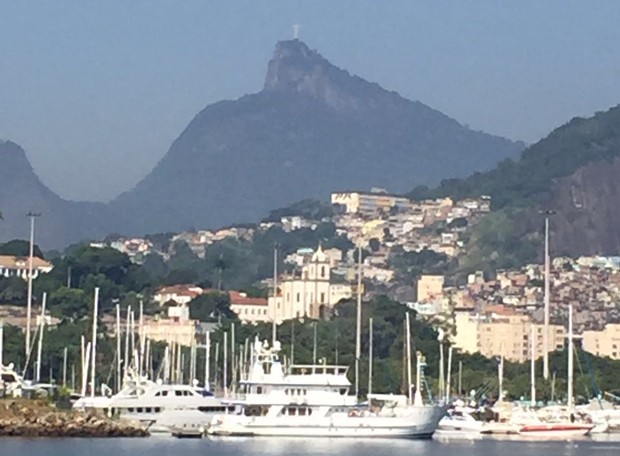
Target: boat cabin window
178,393
296,411
139,410
259,390
343,391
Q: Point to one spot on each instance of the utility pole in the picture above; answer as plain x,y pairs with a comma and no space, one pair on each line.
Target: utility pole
32,216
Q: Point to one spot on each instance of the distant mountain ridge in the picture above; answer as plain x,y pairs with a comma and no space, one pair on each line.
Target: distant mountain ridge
313,129
22,192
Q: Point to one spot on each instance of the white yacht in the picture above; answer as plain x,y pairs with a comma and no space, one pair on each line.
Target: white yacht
314,401
160,408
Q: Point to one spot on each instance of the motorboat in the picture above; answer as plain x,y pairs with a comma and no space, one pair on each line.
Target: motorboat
315,401
159,407
460,422
556,430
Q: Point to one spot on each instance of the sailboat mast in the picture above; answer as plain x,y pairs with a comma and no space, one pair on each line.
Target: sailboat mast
64,367
207,360
94,346
370,343
293,342
449,374
127,330
233,372
40,341
500,379
83,364
547,303
225,376
118,348
533,364
570,358
408,354
1,343
358,327
274,327
314,345
140,339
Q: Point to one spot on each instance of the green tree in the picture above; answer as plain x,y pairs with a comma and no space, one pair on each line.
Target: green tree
13,290
19,248
70,303
211,307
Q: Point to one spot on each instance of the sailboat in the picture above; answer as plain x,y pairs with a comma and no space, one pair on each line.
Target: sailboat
561,428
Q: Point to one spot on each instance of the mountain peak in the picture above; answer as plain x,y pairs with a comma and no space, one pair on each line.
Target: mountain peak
13,160
297,69
292,65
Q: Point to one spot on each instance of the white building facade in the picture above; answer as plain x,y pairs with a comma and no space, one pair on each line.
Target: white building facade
310,294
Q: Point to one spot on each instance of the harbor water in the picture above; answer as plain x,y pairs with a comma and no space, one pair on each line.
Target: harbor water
299,447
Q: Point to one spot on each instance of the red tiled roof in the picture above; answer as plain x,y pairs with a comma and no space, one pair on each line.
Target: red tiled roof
181,290
237,298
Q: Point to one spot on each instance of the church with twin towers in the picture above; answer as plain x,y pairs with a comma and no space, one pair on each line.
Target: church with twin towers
308,293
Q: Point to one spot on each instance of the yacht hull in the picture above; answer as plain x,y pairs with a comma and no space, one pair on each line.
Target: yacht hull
421,426
555,430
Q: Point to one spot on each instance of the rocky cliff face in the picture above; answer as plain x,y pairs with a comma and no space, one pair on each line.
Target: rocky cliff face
587,205
314,129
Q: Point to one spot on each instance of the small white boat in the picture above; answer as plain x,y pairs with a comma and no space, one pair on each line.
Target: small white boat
459,423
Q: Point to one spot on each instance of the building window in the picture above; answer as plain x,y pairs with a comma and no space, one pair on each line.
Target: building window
298,297
322,298
322,272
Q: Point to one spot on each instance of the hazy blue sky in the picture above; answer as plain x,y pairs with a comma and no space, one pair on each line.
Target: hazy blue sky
101,88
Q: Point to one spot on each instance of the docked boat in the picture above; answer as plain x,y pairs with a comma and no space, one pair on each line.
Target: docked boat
160,408
11,383
314,401
460,422
566,425
556,430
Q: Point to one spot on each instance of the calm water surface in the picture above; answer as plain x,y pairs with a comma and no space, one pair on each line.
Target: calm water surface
292,447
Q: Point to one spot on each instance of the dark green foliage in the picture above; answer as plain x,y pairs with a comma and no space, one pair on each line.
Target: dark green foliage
70,303
213,306
519,183
19,248
13,290
460,222
310,209
508,237
410,265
